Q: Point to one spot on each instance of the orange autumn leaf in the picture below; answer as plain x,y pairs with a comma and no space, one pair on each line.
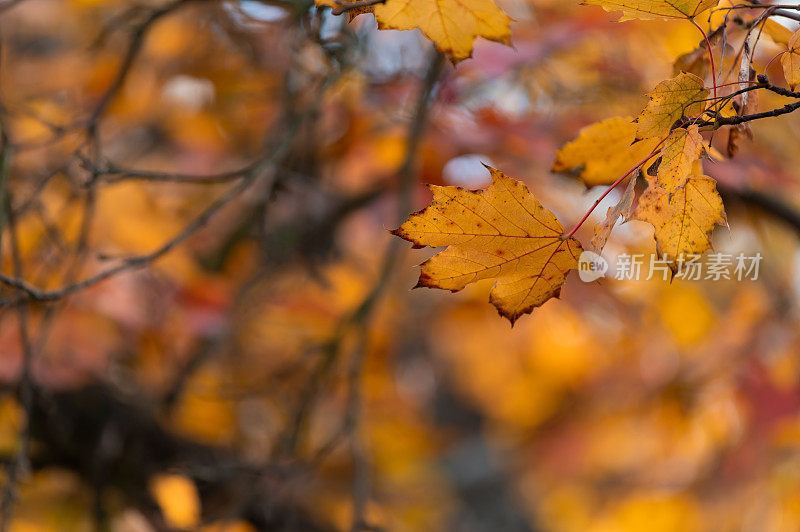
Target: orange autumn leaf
500,233
671,100
652,9
683,221
603,151
681,151
452,25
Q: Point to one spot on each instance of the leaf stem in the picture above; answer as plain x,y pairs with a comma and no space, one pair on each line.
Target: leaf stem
752,82
612,187
773,59
710,55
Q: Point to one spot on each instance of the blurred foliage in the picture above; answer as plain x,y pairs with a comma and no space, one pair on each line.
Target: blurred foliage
275,333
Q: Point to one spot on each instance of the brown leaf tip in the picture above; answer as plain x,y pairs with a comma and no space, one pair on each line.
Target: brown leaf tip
424,281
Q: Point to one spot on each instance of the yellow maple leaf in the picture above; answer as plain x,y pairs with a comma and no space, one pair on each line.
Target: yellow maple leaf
502,233
791,61
678,156
603,151
652,9
671,100
684,220
452,25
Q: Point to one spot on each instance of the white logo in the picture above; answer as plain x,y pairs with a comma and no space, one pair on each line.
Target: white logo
591,266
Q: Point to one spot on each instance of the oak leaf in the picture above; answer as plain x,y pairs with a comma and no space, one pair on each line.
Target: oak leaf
603,151
501,233
671,100
452,25
652,9
683,221
681,151
791,61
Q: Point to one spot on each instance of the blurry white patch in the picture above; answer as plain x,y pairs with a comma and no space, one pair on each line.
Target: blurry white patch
188,92
467,171
416,380
331,25
592,195
262,12
506,96
391,52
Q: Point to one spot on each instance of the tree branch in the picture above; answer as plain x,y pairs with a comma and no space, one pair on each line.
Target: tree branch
771,205
69,429
134,48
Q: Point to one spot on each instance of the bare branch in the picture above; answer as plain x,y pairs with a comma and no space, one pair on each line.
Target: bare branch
135,46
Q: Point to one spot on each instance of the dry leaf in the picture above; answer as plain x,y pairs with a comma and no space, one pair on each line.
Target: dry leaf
500,233
732,147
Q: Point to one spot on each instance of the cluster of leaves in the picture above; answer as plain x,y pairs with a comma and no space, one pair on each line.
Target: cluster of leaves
505,234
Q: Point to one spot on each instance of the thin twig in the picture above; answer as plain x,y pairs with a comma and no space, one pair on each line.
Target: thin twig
406,175
133,50
20,465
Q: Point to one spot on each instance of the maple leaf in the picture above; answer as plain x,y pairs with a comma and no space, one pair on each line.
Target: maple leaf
652,9
603,151
501,232
683,221
452,25
678,156
671,100
791,61
623,208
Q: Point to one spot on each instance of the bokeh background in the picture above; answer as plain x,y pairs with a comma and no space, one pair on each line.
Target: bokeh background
256,358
